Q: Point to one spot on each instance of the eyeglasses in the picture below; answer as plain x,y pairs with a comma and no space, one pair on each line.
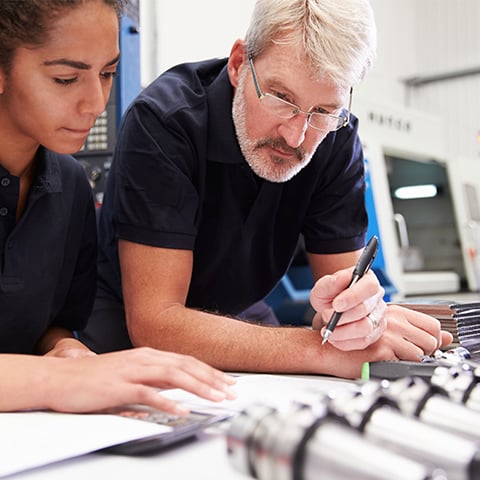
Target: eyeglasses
283,109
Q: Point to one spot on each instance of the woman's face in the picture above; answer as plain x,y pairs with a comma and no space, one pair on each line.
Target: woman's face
54,93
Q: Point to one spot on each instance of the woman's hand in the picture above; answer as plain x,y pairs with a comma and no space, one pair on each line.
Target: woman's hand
97,382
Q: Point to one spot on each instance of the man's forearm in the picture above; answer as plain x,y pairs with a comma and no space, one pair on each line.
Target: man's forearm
234,345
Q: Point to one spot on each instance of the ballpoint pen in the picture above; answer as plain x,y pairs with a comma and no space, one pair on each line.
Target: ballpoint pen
361,268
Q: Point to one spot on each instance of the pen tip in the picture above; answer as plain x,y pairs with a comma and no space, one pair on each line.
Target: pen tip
325,337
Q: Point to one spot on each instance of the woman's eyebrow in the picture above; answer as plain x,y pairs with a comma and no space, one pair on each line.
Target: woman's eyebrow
75,64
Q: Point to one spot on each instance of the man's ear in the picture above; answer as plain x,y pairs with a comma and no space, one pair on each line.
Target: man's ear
235,61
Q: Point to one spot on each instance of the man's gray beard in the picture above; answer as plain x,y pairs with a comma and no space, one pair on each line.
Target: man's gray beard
258,163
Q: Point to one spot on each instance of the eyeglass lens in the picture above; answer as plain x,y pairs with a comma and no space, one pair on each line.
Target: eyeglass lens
286,110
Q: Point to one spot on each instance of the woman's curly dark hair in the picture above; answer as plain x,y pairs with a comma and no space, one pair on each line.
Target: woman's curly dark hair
27,22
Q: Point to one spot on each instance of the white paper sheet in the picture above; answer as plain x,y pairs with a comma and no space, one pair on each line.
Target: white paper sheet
276,390
32,439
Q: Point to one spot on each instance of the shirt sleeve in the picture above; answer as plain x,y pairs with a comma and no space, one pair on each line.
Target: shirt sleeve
156,172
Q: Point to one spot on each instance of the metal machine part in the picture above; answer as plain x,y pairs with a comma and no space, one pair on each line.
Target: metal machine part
431,403
461,382
375,413
310,442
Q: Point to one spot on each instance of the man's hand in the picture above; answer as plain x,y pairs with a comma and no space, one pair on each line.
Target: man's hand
366,319
363,310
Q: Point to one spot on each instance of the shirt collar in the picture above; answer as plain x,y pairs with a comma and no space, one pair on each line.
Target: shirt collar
48,176
222,142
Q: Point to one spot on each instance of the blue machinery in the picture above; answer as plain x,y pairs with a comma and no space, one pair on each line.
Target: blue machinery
128,80
96,154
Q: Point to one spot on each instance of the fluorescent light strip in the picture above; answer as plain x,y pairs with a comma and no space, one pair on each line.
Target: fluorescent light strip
416,191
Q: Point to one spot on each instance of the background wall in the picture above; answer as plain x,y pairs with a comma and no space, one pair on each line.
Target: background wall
430,49
416,39
187,30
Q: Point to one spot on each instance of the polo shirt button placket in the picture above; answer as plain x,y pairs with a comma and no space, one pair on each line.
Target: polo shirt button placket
5,182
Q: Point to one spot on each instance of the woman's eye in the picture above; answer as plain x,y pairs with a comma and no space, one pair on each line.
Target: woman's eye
65,81
108,75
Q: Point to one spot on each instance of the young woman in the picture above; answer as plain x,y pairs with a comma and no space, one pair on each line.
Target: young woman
57,63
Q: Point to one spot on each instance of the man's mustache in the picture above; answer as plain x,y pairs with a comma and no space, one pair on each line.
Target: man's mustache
280,144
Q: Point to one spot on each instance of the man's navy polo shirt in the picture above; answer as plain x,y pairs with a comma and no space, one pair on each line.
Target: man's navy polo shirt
179,180
48,258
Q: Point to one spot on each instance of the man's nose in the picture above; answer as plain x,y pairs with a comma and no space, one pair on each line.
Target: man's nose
294,129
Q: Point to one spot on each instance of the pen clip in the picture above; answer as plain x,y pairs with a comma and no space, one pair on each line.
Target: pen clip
366,258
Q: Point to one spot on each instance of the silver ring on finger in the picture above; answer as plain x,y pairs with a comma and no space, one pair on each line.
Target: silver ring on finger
374,320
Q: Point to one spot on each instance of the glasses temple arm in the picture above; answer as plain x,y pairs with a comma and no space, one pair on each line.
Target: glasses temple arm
255,80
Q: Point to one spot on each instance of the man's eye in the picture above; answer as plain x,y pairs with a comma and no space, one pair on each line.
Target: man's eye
65,81
323,111
281,96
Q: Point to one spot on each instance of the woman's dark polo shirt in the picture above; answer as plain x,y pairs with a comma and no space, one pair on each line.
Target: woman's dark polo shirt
179,180
48,258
